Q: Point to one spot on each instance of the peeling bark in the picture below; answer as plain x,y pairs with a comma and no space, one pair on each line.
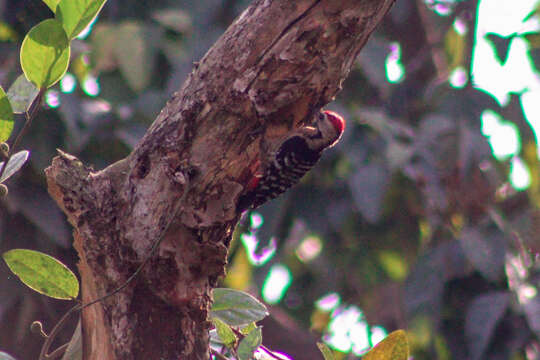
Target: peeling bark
275,67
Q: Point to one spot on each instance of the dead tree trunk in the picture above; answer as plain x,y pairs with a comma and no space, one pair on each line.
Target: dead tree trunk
275,67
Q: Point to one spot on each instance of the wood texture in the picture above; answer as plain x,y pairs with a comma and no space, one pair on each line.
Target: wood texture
275,67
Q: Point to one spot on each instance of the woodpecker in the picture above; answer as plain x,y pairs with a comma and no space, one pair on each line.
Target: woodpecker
293,159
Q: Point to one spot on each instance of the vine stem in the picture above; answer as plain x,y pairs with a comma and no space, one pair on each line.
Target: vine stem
269,352
30,114
43,354
60,324
262,347
218,355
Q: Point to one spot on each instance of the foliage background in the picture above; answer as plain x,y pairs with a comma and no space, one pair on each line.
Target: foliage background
410,222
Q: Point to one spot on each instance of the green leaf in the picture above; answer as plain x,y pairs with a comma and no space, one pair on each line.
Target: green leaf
225,333
325,351
368,186
249,344
236,307
5,356
135,51
6,116
74,349
52,4
7,33
14,164
103,40
214,338
531,309
481,319
485,248
43,273
248,328
455,46
174,19
76,15
45,53
394,347
21,94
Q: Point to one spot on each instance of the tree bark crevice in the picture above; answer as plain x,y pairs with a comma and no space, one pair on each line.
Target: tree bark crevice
273,69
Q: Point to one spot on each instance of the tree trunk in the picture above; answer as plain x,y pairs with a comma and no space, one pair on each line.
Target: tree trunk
271,71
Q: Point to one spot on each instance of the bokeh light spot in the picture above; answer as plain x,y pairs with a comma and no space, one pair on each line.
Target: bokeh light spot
91,86
277,282
52,98
328,302
394,69
458,78
309,249
256,220
349,331
520,178
460,26
503,136
258,257
378,333
68,83
531,109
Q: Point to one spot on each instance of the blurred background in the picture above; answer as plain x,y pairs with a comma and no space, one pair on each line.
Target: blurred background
426,216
